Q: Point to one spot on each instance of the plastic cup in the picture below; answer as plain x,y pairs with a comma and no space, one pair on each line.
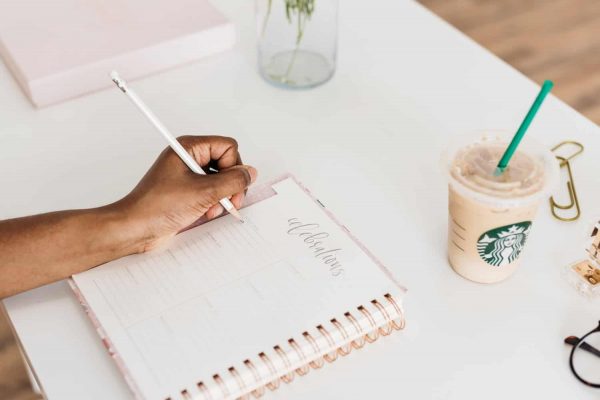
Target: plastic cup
490,218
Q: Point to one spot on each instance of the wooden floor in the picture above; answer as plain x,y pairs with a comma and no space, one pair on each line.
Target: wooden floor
544,39
14,383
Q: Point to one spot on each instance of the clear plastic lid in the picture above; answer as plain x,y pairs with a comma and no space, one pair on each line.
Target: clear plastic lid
470,162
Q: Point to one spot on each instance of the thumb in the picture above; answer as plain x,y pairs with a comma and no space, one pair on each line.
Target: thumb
230,181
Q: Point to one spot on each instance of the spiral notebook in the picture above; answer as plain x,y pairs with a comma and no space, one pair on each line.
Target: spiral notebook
231,309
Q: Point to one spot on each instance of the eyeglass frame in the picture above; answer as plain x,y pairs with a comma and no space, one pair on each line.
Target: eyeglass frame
576,344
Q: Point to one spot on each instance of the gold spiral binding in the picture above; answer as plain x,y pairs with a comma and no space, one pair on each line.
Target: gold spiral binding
374,334
387,328
274,384
360,342
345,349
261,390
318,363
329,357
240,382
399,312
202,388
395,322
305,367
221,384
287,378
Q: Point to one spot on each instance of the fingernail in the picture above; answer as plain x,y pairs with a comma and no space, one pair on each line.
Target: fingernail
253,173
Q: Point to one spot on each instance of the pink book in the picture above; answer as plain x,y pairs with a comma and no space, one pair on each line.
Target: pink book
62,49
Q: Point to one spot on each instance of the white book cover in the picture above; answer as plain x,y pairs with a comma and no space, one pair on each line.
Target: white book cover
230,309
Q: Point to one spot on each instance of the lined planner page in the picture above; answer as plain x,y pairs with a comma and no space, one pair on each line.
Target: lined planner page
225,291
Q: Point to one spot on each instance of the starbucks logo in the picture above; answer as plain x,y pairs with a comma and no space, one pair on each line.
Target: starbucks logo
501,246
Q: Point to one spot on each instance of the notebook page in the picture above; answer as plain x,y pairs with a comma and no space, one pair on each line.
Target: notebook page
225,291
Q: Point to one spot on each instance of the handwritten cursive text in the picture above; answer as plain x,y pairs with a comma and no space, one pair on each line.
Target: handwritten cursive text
314,238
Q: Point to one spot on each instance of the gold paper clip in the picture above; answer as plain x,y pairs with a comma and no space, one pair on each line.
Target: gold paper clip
573,200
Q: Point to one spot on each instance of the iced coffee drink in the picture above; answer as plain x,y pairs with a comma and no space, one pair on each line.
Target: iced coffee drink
490,217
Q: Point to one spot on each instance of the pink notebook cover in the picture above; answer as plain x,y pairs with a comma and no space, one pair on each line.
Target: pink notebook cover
61,49
254,195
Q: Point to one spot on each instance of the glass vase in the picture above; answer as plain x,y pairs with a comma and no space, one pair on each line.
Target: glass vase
297,41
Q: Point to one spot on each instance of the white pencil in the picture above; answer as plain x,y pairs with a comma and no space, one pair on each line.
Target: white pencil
175,145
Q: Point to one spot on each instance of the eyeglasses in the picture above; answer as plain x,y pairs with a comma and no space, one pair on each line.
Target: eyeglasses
585,357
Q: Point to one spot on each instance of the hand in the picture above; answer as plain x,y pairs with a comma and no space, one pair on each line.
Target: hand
170,197
44,248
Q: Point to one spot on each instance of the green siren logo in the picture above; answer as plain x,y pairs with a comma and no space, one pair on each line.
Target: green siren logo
501,246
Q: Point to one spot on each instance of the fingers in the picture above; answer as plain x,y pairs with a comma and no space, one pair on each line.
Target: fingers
231,182
215,211
238,199
206,148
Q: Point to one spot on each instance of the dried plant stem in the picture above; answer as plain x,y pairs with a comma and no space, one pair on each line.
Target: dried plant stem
267,15
296,48
303,10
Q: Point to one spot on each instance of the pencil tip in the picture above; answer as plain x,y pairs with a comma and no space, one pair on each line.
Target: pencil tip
114,75
236,214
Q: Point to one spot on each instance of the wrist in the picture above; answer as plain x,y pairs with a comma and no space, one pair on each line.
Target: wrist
126,234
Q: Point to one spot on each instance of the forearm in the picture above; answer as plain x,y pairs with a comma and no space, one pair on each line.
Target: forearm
45,248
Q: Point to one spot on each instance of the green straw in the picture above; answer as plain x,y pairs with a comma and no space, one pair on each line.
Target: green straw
512,147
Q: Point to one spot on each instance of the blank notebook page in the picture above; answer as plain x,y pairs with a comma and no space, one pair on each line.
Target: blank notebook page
226,291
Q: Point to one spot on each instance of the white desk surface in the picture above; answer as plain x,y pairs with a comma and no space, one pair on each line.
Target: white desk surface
368,143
